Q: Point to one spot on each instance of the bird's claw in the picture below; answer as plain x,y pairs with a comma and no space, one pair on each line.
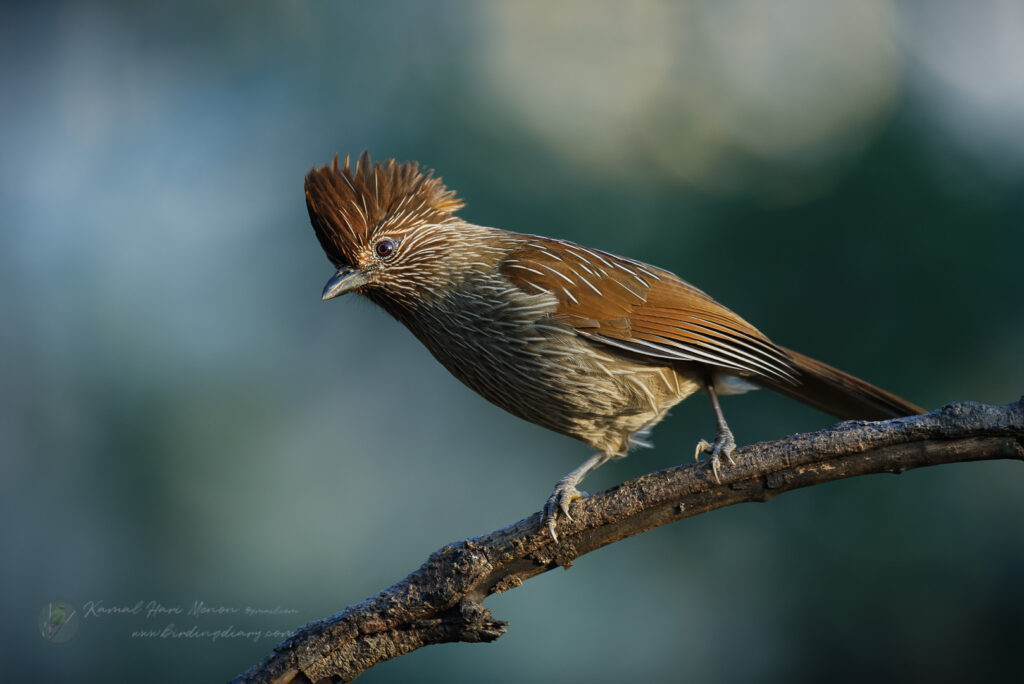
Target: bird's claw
724,444
565,493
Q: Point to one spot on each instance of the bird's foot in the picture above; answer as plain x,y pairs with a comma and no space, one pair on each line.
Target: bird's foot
565,493
723,445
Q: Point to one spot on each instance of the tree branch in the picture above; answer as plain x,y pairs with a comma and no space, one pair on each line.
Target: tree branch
442,601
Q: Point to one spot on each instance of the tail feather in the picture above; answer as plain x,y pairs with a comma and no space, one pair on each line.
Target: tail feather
841,394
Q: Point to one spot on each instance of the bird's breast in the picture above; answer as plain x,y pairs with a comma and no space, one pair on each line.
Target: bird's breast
503,343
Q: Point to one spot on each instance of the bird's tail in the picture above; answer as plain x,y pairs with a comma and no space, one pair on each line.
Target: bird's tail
840,394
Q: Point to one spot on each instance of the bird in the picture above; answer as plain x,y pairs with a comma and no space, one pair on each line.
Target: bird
58,615
586,343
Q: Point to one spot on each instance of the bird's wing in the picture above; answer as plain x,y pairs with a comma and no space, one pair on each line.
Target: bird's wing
642,309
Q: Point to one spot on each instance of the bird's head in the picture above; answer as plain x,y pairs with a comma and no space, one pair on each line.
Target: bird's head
387,227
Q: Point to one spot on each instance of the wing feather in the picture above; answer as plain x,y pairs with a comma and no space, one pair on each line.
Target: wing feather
642,309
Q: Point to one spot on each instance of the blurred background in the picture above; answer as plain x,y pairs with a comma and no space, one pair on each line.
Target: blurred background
184,421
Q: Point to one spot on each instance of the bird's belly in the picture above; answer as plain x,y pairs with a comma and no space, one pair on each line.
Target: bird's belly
554,378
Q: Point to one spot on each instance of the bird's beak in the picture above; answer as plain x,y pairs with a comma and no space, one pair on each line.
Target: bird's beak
345,280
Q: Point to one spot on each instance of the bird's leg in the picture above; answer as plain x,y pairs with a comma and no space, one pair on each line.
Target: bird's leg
565,491
724,442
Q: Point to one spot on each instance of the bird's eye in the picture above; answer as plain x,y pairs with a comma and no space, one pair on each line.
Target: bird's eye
385,248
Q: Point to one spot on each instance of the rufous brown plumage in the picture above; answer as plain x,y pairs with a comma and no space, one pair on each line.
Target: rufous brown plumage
586,343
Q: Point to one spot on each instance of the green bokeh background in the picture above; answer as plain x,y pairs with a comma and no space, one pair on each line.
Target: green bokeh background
183,420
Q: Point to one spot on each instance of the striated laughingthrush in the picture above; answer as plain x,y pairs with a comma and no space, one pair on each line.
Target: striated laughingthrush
586,343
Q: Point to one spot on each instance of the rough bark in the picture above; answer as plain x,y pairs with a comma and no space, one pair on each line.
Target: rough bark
442,600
